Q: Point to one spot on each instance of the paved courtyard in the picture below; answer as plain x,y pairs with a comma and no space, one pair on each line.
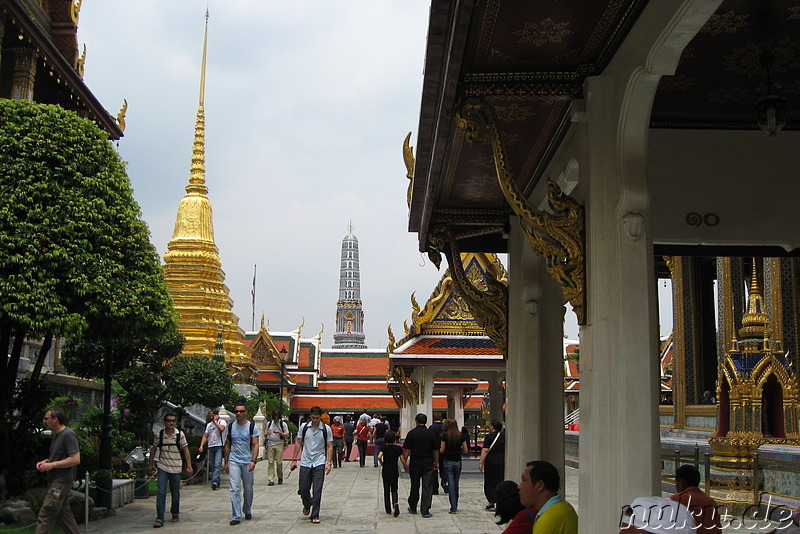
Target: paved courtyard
352,502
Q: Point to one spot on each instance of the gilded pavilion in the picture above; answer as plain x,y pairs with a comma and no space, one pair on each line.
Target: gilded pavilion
193,268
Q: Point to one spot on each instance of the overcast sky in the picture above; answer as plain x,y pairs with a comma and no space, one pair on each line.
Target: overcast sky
307,104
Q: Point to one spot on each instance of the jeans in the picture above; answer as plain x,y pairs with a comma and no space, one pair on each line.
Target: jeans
362,451
215,461
378,443
275,462
348,445
174,480
311,478
338,452
240,478
452,471
425,476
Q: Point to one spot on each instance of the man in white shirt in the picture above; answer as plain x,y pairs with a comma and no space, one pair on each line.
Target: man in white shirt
315,447
277,431
214,436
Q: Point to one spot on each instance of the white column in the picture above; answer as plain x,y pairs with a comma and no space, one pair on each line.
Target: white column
406,418
261,422
534,370
458,406
424,377
496,397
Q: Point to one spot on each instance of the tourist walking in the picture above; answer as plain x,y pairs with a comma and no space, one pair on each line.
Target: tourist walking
378,431
173,450
362,432
214,438
422,447
349,428
337,428
436,427
241,454
60,468
314,446
493,461
277,432
453,445
388,457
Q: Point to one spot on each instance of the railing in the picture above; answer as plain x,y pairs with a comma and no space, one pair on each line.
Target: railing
573,417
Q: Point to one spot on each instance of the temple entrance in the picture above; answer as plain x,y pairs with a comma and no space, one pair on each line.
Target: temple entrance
772,408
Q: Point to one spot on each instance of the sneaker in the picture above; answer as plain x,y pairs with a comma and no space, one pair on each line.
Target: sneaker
248,516
270,483
234,522
214,486
426,516
412,511
396,510
489,506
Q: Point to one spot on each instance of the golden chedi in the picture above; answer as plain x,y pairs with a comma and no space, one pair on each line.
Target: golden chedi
193,269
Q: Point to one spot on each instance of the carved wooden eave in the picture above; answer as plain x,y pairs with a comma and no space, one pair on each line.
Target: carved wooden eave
489,307
63,68
558,237
405,389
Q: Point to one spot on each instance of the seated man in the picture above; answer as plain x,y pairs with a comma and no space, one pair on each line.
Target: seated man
702,507
656,515
539,489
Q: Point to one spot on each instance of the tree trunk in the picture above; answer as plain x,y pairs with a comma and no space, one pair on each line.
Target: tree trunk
37,369
13,364
5,339
104,493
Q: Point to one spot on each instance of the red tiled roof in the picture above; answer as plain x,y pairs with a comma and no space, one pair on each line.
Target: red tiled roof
383,404
346,364
466,345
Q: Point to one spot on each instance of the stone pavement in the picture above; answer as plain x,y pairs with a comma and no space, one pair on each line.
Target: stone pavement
352,501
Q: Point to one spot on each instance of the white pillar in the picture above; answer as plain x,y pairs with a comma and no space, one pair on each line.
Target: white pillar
260,420
424,377
407,418
496,397
534,370
458,406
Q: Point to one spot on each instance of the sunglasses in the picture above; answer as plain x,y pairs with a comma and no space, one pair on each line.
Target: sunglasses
239,411
170,420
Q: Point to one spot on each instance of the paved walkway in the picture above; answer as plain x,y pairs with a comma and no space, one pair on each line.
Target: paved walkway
352,501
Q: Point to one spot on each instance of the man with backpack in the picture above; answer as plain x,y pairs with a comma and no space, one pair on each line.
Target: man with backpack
241,454
314,446
277,431
171,445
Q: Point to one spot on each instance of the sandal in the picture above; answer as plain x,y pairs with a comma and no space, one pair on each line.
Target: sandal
175,519
157,524
315,521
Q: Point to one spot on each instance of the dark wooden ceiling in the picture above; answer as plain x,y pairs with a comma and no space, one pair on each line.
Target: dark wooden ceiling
529,61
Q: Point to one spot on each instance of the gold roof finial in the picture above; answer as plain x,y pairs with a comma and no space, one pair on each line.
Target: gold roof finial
350,228
262,320
123,111
197,170
408,159
756,319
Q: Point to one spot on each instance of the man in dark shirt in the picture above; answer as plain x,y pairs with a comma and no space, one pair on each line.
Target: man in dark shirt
60,467
437,428
377,437
349,427
423,448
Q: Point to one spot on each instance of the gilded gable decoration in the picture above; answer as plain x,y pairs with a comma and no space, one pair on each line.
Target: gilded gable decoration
559,235
488,306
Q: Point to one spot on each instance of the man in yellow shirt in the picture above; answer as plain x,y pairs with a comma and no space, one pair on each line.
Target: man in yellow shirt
539,489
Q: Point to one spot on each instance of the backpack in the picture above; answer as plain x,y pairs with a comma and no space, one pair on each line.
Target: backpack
324,432
252,427
177,439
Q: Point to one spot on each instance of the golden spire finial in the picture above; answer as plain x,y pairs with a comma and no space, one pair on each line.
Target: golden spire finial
197,170
350,228
755,321
262,320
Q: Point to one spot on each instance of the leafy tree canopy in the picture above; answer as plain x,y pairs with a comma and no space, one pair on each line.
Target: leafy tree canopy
197,380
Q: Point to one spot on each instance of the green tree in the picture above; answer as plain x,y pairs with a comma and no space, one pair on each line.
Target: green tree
77,261
197,380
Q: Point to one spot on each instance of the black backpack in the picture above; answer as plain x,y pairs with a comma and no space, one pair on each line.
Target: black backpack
230,428
324,432
177,439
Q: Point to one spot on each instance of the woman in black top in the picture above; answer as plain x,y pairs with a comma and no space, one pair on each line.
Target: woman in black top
452,447
388,456
493,461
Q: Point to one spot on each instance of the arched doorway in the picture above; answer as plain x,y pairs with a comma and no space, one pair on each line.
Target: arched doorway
772,424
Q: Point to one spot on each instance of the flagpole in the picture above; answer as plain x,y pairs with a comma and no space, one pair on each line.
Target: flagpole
253,295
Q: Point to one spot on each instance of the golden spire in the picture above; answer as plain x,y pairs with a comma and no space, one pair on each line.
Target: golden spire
197,172
756,319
